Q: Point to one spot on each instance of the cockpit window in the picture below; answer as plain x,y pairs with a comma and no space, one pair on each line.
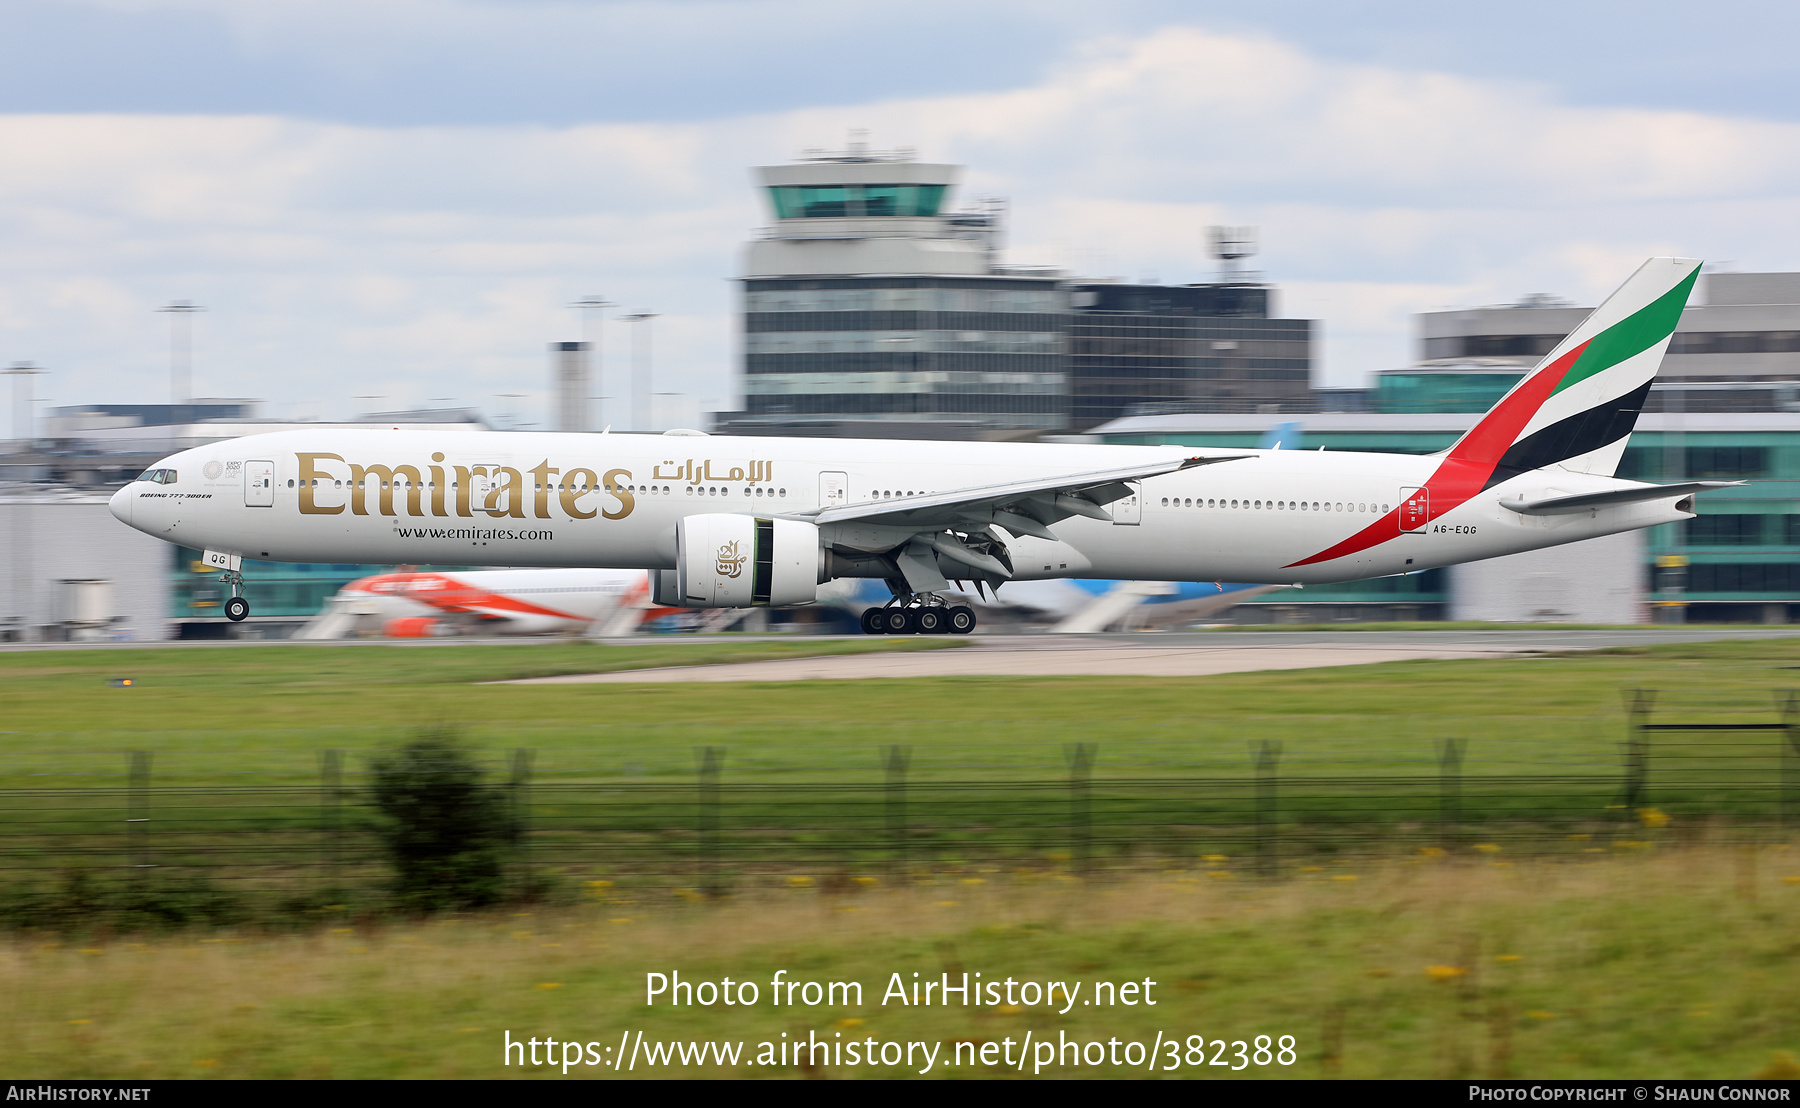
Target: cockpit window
158,476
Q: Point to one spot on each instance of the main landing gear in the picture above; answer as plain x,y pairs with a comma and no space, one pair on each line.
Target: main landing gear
919,615
237,608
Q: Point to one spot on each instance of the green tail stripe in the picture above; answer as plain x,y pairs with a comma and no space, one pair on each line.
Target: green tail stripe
1634,334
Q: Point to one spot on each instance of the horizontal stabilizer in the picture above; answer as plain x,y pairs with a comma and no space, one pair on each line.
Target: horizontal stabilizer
1559,505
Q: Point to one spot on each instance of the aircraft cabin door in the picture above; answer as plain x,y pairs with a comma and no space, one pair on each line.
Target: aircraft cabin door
1415,510
834,490
482,481
259,484
1128,510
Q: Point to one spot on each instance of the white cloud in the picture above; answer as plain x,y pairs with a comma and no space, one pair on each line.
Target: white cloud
339,261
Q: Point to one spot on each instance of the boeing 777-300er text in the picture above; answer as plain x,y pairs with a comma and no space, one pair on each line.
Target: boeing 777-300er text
735,522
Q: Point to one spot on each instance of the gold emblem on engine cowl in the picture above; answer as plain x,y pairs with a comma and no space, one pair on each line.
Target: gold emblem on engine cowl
731,562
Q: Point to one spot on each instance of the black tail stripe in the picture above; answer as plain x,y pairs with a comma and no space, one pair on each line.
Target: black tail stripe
1572,437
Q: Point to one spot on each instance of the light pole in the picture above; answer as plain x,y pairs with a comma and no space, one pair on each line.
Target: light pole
640,370
181,359
593,316
23,417
506,410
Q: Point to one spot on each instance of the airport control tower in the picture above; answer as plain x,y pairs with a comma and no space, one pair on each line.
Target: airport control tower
873,307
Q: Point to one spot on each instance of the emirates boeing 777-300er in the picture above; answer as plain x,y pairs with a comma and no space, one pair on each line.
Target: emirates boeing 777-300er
735,522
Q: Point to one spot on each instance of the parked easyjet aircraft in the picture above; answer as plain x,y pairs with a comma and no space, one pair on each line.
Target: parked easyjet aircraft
491,602
733,522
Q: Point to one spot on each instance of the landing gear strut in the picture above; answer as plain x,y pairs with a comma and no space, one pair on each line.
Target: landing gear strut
237,608
919,614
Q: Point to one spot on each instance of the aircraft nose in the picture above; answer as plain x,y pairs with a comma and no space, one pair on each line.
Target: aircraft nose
120,505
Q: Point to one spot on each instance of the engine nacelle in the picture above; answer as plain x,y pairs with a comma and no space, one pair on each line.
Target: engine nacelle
733,561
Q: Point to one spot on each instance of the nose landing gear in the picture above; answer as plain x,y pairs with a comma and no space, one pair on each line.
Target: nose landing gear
924,614
237,608
232,567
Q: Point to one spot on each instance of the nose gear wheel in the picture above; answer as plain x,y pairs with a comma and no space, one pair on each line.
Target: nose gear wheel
237,608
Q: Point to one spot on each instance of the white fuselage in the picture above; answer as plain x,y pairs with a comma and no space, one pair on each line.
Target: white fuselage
613,501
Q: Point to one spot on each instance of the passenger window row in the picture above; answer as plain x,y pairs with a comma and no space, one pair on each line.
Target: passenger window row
1273,505
651,490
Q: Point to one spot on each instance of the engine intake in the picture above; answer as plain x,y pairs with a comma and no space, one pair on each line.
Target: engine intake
733,561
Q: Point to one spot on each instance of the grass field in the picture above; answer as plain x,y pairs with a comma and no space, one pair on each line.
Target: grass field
260,715
1669,952
235,737
1677,965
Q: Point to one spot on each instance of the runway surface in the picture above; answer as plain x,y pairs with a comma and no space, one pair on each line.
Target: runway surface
1162,655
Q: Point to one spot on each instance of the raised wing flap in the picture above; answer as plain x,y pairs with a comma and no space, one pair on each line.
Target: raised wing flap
1560,505
1056,497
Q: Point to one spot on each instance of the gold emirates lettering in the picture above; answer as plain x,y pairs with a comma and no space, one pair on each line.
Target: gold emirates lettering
506,494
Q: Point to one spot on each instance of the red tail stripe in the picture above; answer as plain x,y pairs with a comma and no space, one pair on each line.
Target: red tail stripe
1500,428
1470,462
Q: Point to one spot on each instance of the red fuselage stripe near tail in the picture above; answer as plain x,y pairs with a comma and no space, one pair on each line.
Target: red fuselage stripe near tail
1464,472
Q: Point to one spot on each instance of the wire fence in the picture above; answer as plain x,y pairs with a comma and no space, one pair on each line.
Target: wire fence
1683,768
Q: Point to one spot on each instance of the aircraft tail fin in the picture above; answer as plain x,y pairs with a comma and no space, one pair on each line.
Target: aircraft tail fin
1577,408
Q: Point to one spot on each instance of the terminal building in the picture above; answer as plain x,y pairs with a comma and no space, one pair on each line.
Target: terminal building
1144,349
1736,349
74,573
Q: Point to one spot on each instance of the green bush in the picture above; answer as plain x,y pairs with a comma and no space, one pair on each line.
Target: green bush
82,902
446,831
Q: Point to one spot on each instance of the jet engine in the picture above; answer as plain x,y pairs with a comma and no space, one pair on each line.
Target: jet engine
733,561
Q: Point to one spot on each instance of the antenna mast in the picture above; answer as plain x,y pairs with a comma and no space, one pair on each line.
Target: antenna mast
1230,246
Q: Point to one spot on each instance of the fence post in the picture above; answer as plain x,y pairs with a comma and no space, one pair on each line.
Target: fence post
1790,761
1266,753
1638,705
1080,757
896,758
517,789
137,812
1450,759
330,799
712,759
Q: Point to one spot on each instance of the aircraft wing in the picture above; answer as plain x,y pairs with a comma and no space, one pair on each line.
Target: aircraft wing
1560,505
1024,507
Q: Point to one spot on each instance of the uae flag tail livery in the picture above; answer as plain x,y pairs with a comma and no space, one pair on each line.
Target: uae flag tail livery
1573,412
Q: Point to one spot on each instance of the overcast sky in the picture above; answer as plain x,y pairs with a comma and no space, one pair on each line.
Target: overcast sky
383,204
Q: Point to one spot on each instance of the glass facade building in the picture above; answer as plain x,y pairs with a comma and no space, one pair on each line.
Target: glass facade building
981,350
1140,349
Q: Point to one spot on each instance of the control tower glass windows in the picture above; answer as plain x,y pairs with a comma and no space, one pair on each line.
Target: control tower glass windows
839,201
